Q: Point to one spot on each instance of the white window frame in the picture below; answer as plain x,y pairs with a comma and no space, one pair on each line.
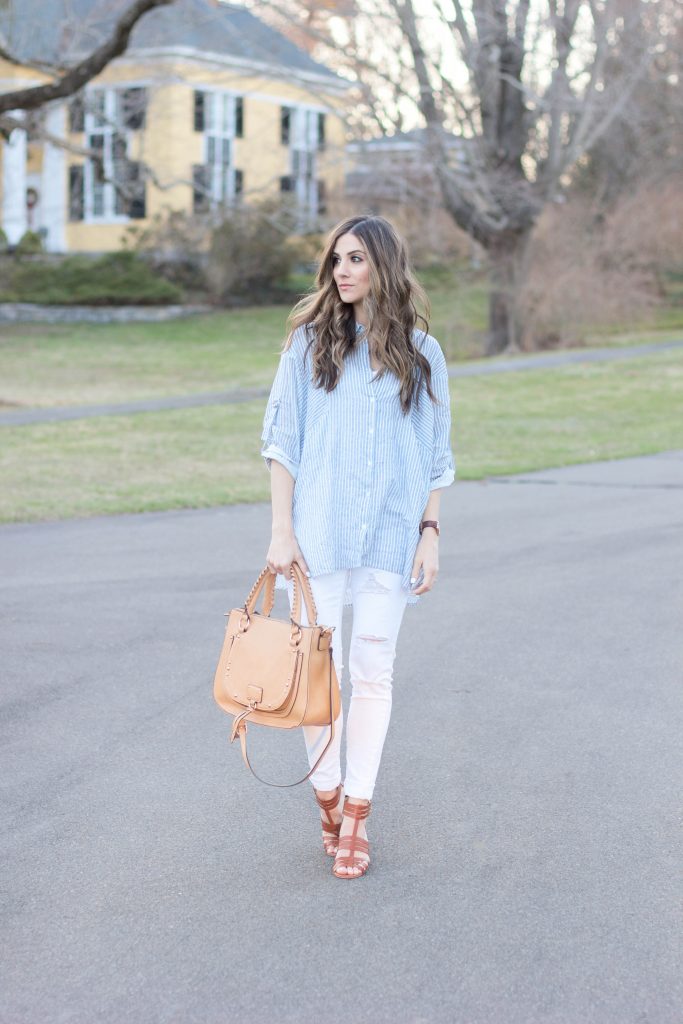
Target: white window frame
108,129
303,147
219,129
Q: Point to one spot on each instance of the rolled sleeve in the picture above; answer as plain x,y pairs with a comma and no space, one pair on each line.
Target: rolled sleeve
273,452
284,418
443,465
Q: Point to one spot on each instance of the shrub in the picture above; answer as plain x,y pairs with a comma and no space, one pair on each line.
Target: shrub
587,273
251,253
119,278
246,257
175,244
29,244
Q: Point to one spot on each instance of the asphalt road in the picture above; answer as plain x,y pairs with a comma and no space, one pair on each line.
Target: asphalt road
524,826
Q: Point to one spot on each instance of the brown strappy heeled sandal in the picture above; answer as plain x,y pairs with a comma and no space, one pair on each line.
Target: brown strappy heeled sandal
330,828
350,846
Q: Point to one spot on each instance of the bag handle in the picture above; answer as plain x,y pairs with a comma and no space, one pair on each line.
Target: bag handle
266,579
240,728
300,578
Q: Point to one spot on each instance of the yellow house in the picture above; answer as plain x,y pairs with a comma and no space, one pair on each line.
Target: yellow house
207,107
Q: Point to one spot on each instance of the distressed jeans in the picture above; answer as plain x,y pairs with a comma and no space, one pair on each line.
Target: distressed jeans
378,606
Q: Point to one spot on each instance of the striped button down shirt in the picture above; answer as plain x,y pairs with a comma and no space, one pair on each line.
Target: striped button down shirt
363,469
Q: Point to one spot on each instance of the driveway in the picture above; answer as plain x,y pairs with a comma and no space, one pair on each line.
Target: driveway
524,826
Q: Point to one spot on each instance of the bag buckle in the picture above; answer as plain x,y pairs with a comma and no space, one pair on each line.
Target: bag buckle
326,634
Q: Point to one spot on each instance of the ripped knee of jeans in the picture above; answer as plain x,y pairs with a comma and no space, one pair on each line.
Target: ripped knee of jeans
373,639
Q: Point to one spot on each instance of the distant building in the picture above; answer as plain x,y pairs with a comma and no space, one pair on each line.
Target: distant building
393,169
207,106
391,175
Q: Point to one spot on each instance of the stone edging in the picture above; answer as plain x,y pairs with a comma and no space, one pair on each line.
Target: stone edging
30,312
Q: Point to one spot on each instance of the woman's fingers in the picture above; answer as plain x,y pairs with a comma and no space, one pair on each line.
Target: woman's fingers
284,567
427,583
301,561
277,562
429,578
426,560
286,570
279,559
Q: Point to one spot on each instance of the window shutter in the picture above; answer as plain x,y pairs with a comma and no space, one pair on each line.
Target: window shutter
285,125
76,192
199,111
77,114
137,206
131,107
97,143
130,197
201,182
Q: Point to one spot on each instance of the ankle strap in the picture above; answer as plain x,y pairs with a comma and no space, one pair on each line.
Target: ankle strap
330,802
356,811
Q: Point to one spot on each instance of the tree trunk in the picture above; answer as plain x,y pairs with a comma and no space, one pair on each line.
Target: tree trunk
507,273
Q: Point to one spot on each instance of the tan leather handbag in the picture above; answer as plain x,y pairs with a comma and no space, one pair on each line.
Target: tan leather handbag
275,672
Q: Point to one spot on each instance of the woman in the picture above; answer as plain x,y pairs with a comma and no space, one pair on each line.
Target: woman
356,435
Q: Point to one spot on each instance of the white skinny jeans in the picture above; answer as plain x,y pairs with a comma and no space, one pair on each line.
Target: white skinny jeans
378,606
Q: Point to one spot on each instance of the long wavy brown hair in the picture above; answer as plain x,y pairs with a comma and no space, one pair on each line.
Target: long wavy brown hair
392,312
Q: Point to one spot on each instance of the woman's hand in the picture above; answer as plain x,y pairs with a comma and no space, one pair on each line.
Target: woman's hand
284,549
427,559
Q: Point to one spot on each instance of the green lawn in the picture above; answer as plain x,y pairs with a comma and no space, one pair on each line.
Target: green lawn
73,364
199,457
512,423
85,364
209,456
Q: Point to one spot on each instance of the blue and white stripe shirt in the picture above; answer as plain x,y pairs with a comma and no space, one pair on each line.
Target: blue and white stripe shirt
363,469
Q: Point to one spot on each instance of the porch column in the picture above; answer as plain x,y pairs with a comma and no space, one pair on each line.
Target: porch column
53,198
14,183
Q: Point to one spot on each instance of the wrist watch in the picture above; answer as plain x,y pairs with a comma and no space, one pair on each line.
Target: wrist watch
434,523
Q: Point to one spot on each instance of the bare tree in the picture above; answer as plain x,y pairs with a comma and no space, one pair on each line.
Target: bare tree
523,85
643,146
65,81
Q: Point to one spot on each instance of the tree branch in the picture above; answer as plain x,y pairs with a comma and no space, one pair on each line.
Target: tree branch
76,77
